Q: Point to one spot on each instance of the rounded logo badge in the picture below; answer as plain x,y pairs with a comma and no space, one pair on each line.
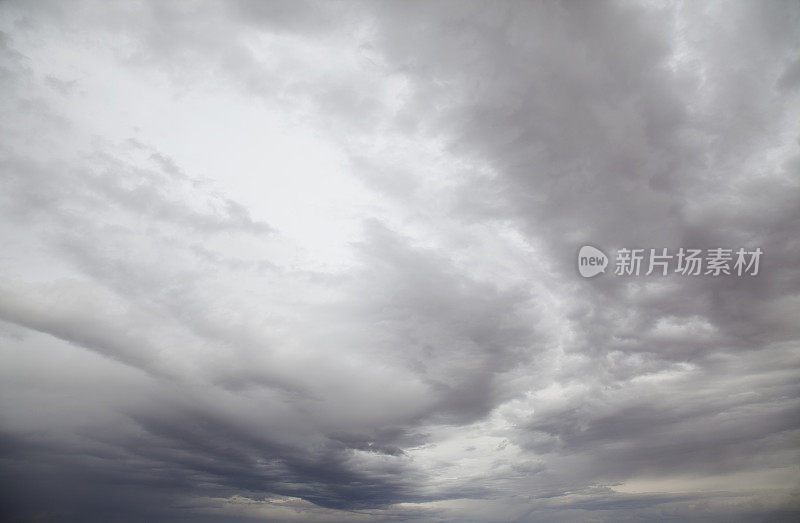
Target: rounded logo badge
591,261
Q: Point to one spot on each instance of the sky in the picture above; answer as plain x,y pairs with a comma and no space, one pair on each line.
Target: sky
317,261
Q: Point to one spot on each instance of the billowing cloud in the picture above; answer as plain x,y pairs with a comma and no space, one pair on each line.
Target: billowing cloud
316,261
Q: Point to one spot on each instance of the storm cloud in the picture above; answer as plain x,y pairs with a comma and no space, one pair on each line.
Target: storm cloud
317,261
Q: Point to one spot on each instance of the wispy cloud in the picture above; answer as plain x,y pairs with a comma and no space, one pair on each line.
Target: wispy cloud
315,261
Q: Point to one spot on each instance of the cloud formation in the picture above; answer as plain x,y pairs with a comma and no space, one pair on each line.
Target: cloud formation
316,261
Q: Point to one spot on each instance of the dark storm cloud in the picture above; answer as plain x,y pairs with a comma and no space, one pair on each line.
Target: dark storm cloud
458,334
501,137
595,137
609,162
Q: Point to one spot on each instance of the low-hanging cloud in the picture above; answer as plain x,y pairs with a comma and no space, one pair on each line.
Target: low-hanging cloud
316,261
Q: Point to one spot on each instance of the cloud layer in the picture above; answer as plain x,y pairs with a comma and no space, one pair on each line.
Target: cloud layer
316,261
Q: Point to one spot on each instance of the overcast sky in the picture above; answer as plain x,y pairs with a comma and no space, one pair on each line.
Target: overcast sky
317,261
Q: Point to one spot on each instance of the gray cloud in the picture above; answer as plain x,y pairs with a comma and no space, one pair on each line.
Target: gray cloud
304,261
